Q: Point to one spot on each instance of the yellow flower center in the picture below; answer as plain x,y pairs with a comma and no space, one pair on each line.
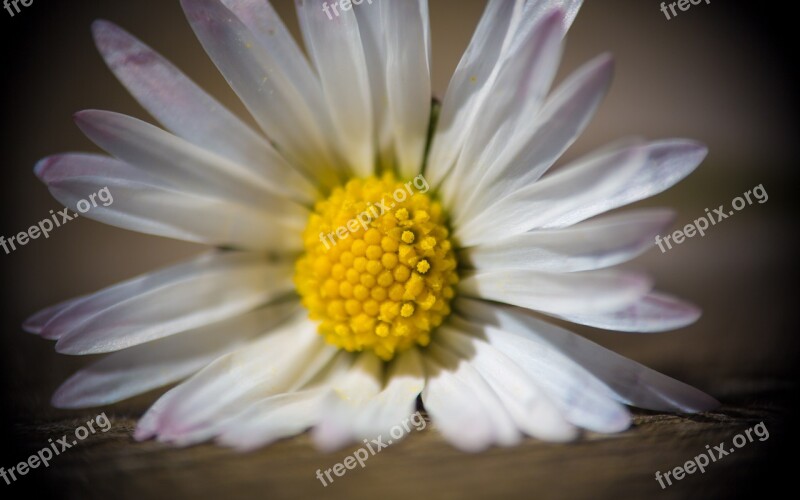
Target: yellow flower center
378,269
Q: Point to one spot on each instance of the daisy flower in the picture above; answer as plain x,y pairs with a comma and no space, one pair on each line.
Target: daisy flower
309,314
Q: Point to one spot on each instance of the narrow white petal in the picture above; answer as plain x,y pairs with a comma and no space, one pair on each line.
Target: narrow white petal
357,413
408,80
655,312
35,323
350,393
537,204
139,369
273,418
335,47
265,86
469,84
581,397
530,407
461,404
668,162
209,288
508,117
189,112
196,409
628,381
535,146
502,29
140,202
371,27
557,293
183,165
595,244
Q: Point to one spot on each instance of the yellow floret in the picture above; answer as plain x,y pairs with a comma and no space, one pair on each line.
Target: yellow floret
386,286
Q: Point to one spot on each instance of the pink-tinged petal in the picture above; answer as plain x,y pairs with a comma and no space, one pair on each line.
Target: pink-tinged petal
185,109
280,362
183,165
655,312
209,288
131,199
133,371
35,323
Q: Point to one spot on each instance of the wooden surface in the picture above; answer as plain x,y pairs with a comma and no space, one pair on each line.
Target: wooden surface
112,466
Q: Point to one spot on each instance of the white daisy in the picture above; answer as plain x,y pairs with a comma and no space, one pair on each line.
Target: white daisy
292,325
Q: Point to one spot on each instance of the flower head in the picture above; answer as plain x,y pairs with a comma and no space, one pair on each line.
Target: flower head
362,259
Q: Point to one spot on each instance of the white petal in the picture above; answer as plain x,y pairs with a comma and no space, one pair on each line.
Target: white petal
523,80
140,202
334,44
655,312
599,243
582,398
184,165
357,413
35,323
207,289
628,381
501,30
557,293
350,393
197,409
148,366
273,418
536,205
530,407
185,109
265,86
668,162
408,79
469,84
371,27
462,405
532,149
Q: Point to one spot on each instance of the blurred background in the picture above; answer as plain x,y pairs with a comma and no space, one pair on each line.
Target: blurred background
722,73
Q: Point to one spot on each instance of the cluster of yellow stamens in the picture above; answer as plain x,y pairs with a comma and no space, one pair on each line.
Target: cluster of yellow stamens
378,269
